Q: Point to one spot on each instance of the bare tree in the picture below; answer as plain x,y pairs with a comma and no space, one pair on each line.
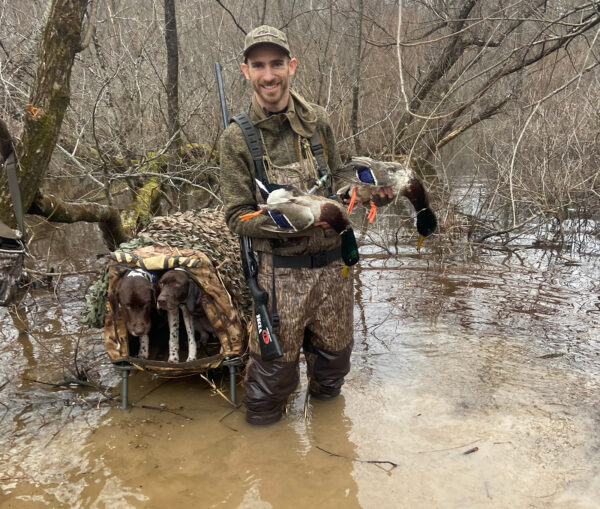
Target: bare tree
48,101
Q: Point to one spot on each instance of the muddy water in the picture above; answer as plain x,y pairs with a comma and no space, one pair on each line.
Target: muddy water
497,358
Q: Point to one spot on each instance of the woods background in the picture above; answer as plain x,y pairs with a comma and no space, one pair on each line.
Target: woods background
115,105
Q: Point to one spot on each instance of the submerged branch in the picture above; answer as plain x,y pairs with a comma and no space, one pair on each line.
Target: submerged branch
57,210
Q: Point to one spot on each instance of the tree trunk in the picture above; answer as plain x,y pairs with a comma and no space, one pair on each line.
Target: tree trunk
6,143
61,40
172,75
356,87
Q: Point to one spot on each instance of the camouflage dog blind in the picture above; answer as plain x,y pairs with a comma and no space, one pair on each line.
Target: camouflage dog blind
199,243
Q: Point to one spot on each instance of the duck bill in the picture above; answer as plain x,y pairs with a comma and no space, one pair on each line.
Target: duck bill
420,242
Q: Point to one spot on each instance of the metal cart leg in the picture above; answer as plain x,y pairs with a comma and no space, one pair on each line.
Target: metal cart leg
124,369
232,364
232,384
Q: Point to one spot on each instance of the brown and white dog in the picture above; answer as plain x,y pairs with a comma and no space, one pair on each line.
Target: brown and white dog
135,295
179,291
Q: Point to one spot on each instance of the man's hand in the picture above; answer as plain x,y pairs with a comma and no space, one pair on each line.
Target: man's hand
383,192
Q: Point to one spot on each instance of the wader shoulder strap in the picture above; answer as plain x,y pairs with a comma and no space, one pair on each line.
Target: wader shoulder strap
316,146
254,144
15,192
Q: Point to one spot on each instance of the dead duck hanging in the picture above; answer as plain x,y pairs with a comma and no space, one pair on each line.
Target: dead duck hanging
364,174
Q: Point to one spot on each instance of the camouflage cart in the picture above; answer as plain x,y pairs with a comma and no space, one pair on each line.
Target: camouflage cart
200,243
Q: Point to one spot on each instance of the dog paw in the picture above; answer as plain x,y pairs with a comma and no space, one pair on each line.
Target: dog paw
173,358
143,355
191,358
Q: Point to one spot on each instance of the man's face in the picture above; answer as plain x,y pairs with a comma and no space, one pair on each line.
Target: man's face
269,70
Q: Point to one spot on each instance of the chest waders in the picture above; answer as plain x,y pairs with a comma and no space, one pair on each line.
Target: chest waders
252,137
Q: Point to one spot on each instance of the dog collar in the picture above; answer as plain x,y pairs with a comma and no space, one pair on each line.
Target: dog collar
142,273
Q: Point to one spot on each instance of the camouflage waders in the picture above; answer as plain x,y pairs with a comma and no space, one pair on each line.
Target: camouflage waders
315,311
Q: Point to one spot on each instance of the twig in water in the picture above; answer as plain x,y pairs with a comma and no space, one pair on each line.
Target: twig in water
150,392
71,381
451,448
227,415
216,389
373,462
164,409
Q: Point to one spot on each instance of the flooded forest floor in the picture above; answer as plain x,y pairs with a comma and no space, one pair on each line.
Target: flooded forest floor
475,383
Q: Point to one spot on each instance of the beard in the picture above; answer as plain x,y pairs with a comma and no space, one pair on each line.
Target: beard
275,99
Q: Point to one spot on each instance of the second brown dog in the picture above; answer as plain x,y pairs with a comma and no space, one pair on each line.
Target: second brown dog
178,290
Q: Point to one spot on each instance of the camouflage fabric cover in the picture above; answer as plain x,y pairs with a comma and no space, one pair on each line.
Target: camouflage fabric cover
205,231
199,242
95,302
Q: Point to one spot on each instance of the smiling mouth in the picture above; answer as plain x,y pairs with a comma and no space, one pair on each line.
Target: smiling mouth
270,88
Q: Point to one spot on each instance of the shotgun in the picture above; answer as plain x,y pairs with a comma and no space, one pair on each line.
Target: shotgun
270,348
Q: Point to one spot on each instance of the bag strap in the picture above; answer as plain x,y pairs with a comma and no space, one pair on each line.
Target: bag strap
15,192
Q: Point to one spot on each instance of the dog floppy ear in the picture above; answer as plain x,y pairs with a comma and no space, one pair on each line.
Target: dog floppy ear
113,298
194,296
155,290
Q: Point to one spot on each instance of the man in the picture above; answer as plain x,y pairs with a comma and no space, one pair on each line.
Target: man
301,271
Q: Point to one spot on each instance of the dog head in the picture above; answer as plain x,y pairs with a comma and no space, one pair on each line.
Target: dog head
177,287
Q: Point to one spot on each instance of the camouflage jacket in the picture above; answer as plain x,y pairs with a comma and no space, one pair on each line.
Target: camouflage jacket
285,142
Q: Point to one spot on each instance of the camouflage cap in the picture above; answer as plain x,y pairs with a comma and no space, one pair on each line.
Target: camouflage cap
266,35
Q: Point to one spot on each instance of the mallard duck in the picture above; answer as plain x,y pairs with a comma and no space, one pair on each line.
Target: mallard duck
364,174
292,209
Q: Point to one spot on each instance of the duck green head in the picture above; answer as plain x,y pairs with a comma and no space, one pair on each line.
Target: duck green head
426,224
